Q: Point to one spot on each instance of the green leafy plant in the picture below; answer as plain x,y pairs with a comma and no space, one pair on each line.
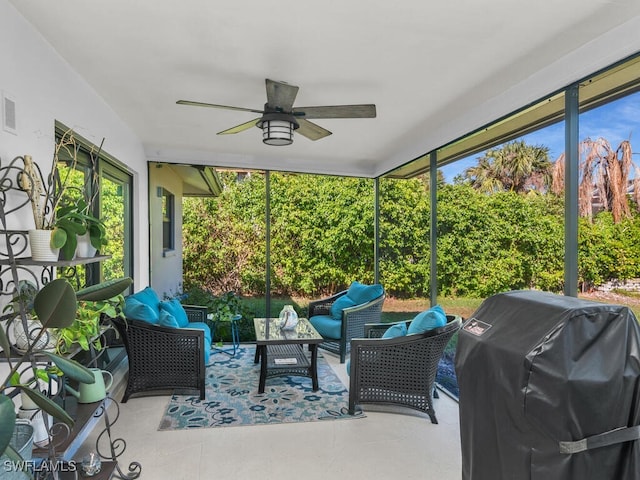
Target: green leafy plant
85,329
74,220
56,306
56,206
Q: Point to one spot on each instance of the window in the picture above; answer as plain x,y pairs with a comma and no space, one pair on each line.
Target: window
107,186
168,221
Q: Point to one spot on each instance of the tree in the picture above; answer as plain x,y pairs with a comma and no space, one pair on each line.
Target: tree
604,177
515,166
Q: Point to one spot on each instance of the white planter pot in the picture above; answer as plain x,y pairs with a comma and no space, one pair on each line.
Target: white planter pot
23,339
84,248
41,423
40,243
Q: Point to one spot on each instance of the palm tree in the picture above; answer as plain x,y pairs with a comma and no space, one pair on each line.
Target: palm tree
604,174
515,166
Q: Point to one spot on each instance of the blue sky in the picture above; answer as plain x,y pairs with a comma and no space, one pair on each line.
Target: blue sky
615,121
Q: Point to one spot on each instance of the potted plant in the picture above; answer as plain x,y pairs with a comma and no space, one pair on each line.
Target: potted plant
58,217
85,330
56,306
76,221
26,329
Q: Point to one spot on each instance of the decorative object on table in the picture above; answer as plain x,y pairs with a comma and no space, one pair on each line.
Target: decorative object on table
92,392
288,318
232,400
91,464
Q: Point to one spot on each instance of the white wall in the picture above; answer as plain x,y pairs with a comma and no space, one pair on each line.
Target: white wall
166,271
46,89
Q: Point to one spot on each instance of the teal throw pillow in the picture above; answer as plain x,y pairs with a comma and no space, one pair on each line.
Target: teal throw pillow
148,296
136,310
340,304
361,293
428,320
167,320
397,330
175,308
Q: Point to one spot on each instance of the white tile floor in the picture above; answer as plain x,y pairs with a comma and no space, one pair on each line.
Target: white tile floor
381,446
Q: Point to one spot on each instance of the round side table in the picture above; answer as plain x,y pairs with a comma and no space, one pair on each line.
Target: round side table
235,334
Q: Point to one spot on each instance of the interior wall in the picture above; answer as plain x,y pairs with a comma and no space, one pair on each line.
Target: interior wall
44,89
166,267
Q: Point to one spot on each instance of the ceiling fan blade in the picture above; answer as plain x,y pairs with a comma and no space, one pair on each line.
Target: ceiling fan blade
280,95
213,105
337,111
311,130
241,128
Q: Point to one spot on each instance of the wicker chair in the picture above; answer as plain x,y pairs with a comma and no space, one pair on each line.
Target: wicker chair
164,358
398,371
353,321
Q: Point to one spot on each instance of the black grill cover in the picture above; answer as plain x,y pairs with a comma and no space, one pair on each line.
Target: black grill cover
548,384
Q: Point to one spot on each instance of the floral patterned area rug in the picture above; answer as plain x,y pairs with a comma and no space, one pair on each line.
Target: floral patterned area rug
232,397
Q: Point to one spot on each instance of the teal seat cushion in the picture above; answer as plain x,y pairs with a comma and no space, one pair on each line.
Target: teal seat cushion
167,320
204,327
207,338
136,310
397,330
361,293
175,308
428,320
327,326
340,304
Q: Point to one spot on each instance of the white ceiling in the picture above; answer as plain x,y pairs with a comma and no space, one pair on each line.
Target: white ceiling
435,70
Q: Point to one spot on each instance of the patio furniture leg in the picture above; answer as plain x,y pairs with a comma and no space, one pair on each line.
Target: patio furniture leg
261,351
314,367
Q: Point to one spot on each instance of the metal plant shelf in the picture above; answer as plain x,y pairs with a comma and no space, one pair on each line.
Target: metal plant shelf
58,263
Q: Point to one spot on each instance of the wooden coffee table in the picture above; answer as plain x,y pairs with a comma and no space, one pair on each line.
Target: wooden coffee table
281,352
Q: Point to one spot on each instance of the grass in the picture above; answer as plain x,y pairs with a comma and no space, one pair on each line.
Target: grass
394,309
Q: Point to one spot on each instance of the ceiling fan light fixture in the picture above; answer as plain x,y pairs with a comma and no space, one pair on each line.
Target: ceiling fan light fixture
277,129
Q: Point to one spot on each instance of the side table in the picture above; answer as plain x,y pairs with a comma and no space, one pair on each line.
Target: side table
281,352
235,334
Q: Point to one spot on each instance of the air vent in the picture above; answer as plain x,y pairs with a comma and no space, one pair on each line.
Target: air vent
9,114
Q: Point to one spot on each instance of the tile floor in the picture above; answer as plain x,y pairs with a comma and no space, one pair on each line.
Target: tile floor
381,446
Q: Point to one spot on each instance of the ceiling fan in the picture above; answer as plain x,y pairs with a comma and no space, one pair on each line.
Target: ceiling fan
280,118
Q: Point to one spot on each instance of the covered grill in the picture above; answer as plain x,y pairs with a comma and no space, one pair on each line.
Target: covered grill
549,389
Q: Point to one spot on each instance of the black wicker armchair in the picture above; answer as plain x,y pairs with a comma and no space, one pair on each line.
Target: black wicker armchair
353,320
164,358
398,371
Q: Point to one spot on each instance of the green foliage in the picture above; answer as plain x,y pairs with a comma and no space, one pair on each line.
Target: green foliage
74,219
222,308
55,306
404,237
493,243
322,238
514,166
103,299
